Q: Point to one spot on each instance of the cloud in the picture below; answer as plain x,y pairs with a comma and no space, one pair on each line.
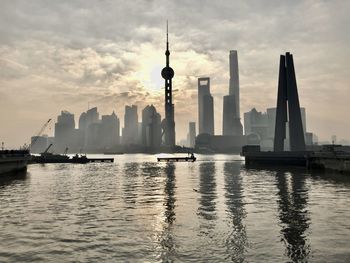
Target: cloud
63,55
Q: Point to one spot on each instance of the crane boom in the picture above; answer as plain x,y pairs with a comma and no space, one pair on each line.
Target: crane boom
47,149
39,133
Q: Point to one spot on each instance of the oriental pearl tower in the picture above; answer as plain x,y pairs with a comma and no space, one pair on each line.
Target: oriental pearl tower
168,124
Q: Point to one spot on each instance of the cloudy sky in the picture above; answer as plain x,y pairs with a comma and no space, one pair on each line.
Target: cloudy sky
62,55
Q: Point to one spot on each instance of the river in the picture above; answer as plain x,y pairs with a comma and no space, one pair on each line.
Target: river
138,210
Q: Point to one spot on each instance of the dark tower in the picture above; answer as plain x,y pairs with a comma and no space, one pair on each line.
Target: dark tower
168,124
288,95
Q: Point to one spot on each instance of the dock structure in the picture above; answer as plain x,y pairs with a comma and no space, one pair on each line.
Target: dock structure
189,158
56,158
325,159
330,157
176,159
335,161
287,112
274,158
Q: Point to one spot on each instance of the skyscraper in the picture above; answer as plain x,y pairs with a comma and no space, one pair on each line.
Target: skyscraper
234,81
130,131
168,123
91,116
64,130
151,128
205,107
231,123
110,131
192,134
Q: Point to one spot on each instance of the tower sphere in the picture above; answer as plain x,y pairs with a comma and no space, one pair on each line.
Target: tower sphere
167,73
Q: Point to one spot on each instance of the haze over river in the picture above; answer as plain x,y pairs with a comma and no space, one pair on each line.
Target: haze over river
138,210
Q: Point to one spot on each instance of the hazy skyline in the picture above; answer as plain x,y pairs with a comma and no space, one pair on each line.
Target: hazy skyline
62,55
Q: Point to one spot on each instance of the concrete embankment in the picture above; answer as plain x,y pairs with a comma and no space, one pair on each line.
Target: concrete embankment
328,162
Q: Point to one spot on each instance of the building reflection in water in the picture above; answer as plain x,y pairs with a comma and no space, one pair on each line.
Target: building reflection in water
166,238
208,196
130,183
293,215
237,240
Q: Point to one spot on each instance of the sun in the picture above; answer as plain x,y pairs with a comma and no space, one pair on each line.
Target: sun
149,76
149,70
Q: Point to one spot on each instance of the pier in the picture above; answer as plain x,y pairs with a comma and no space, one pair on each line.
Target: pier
326,159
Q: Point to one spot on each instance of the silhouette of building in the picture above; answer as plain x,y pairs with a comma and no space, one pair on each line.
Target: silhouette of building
262,126
288,97
256,122
205,107
151,128
110,131
64,131
168,124
38,144
87,118
93,139
234,80
192,134
130,132
231,124
206,143
91,116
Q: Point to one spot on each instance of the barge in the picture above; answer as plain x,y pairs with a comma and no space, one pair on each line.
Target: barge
189,158
12,161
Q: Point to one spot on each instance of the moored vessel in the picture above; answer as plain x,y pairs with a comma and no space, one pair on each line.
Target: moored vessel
13,160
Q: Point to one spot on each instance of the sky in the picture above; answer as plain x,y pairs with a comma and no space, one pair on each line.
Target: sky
68,55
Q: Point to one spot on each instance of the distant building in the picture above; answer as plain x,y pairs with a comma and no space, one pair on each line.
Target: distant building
64,131
234,80
130,135
192,134
110,131
256,122
206,143
205,107
262,126
92,116
231,124
93,138
151,128
39,144
208,113
87,118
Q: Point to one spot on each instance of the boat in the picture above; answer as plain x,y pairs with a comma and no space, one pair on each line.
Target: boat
59,158
188,158
50,158
13,160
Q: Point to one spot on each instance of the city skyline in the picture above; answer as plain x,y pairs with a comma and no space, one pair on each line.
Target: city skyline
50,64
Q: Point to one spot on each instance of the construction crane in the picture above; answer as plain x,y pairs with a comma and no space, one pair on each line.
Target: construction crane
38,134
47,149
65,151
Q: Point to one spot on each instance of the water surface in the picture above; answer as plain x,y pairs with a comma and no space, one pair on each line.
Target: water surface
138,210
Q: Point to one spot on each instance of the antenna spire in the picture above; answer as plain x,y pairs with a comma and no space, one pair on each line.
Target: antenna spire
167,36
